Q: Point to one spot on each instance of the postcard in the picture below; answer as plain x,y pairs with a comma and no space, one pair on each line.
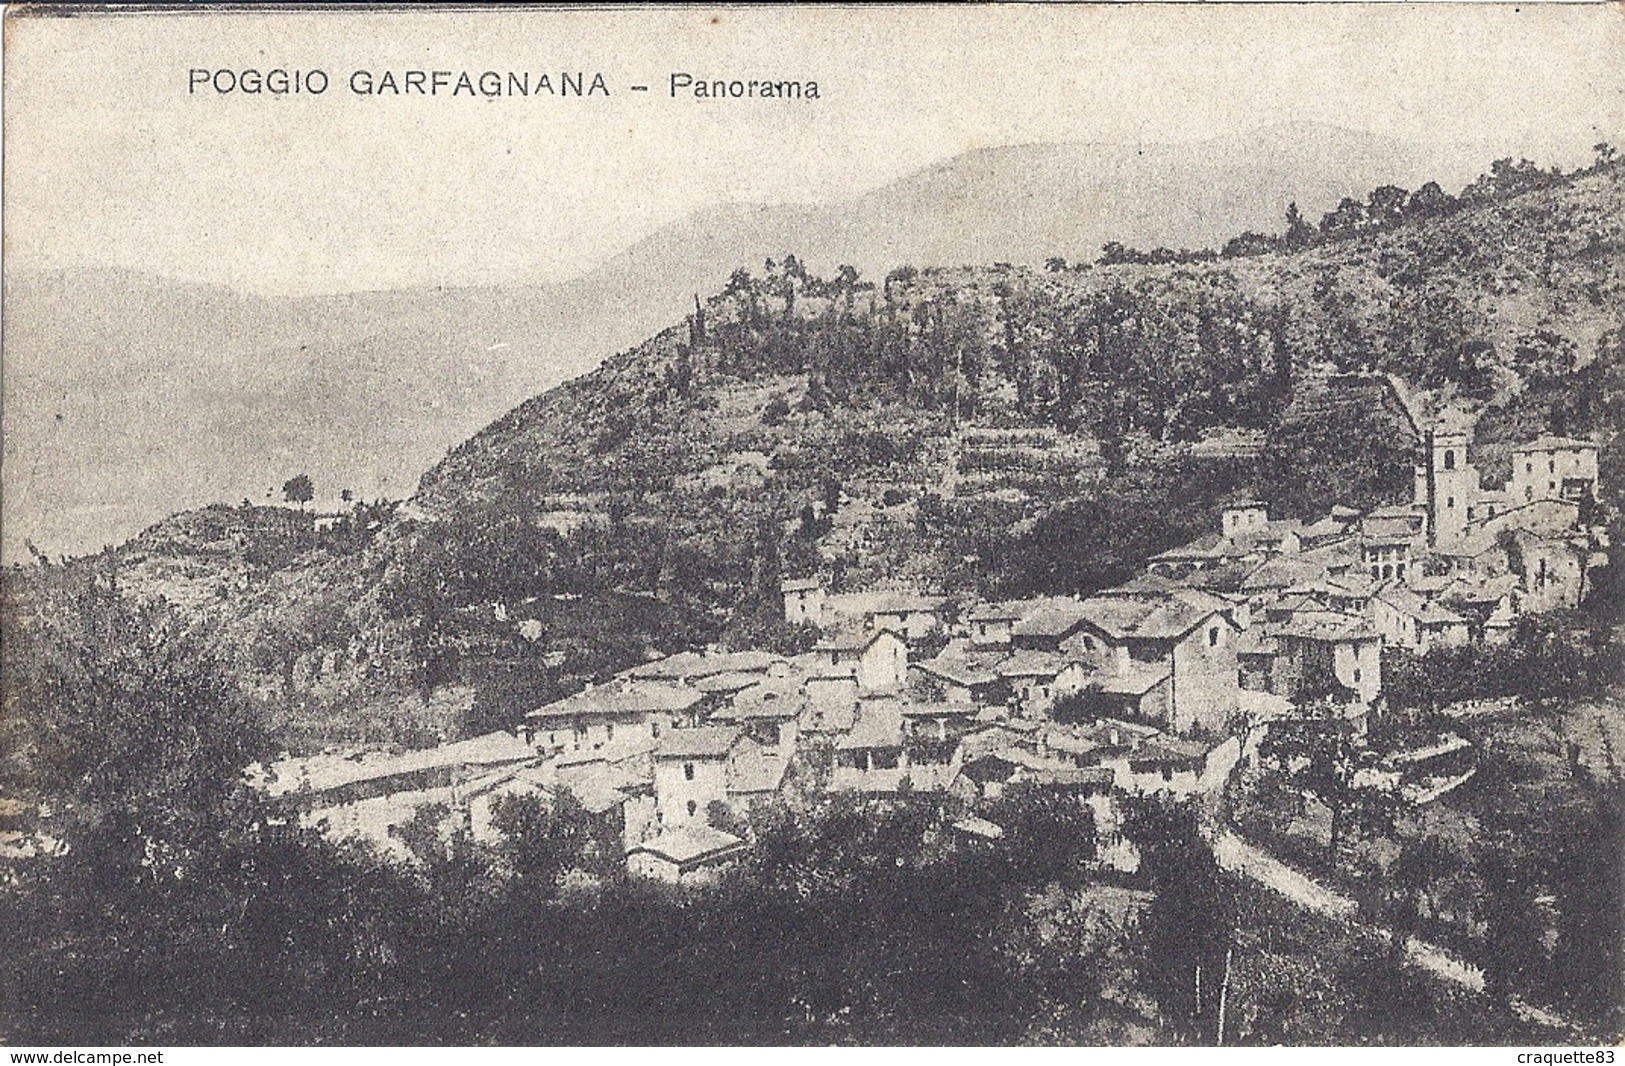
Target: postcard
991,525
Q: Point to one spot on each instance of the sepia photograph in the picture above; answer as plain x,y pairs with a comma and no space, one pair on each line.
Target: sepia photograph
904,526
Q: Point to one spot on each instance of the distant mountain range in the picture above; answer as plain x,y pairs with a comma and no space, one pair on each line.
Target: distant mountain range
128,396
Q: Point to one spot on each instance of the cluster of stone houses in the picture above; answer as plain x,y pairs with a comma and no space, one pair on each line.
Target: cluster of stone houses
1159,684
674,751
1459,564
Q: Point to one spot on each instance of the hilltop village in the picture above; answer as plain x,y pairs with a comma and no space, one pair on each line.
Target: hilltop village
1158,646
1162,684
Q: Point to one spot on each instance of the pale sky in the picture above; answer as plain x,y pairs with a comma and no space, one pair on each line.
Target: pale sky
109,161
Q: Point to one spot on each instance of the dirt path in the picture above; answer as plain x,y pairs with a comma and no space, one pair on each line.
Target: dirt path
1235,854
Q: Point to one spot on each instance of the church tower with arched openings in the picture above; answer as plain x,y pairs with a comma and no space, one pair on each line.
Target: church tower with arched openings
1446,483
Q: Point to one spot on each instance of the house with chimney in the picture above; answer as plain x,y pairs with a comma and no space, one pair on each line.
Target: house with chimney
601,716
832,698
955,677
1173,653
1246,534
992,625
768,713
883,750
1327,652
1403,618
912,616
878,658
1037,679
691,773
1553,468
803,600
690,855
1047,627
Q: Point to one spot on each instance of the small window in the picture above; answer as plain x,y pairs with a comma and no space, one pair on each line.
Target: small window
1528,493
1356,675
654,728
688,771
1399,571
1529,468
1213,637
1551,466
609,731
1551,486
1450,459
1450,502
692,807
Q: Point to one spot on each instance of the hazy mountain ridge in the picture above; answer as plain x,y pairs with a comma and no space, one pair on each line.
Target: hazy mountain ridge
199,395
172,395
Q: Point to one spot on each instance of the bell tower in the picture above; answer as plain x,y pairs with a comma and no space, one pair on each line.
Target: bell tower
1451,481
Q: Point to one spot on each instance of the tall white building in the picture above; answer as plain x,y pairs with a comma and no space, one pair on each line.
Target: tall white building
1553,468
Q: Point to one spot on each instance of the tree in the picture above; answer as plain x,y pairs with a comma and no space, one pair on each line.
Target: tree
900,276
1055,264
1506,178
1299,233
1049,833
1405,891
1589,956
719,815
120,706
1386,204
1188,933
1513,957
299,489
696,324
424,833
816,398
543,840
1429,201
1319,755
832,495
1085,705
125,729
1348,218
777,409
1248,243
1544,357
1605,153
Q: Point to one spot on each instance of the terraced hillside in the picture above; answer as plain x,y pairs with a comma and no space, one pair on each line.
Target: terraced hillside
982,429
